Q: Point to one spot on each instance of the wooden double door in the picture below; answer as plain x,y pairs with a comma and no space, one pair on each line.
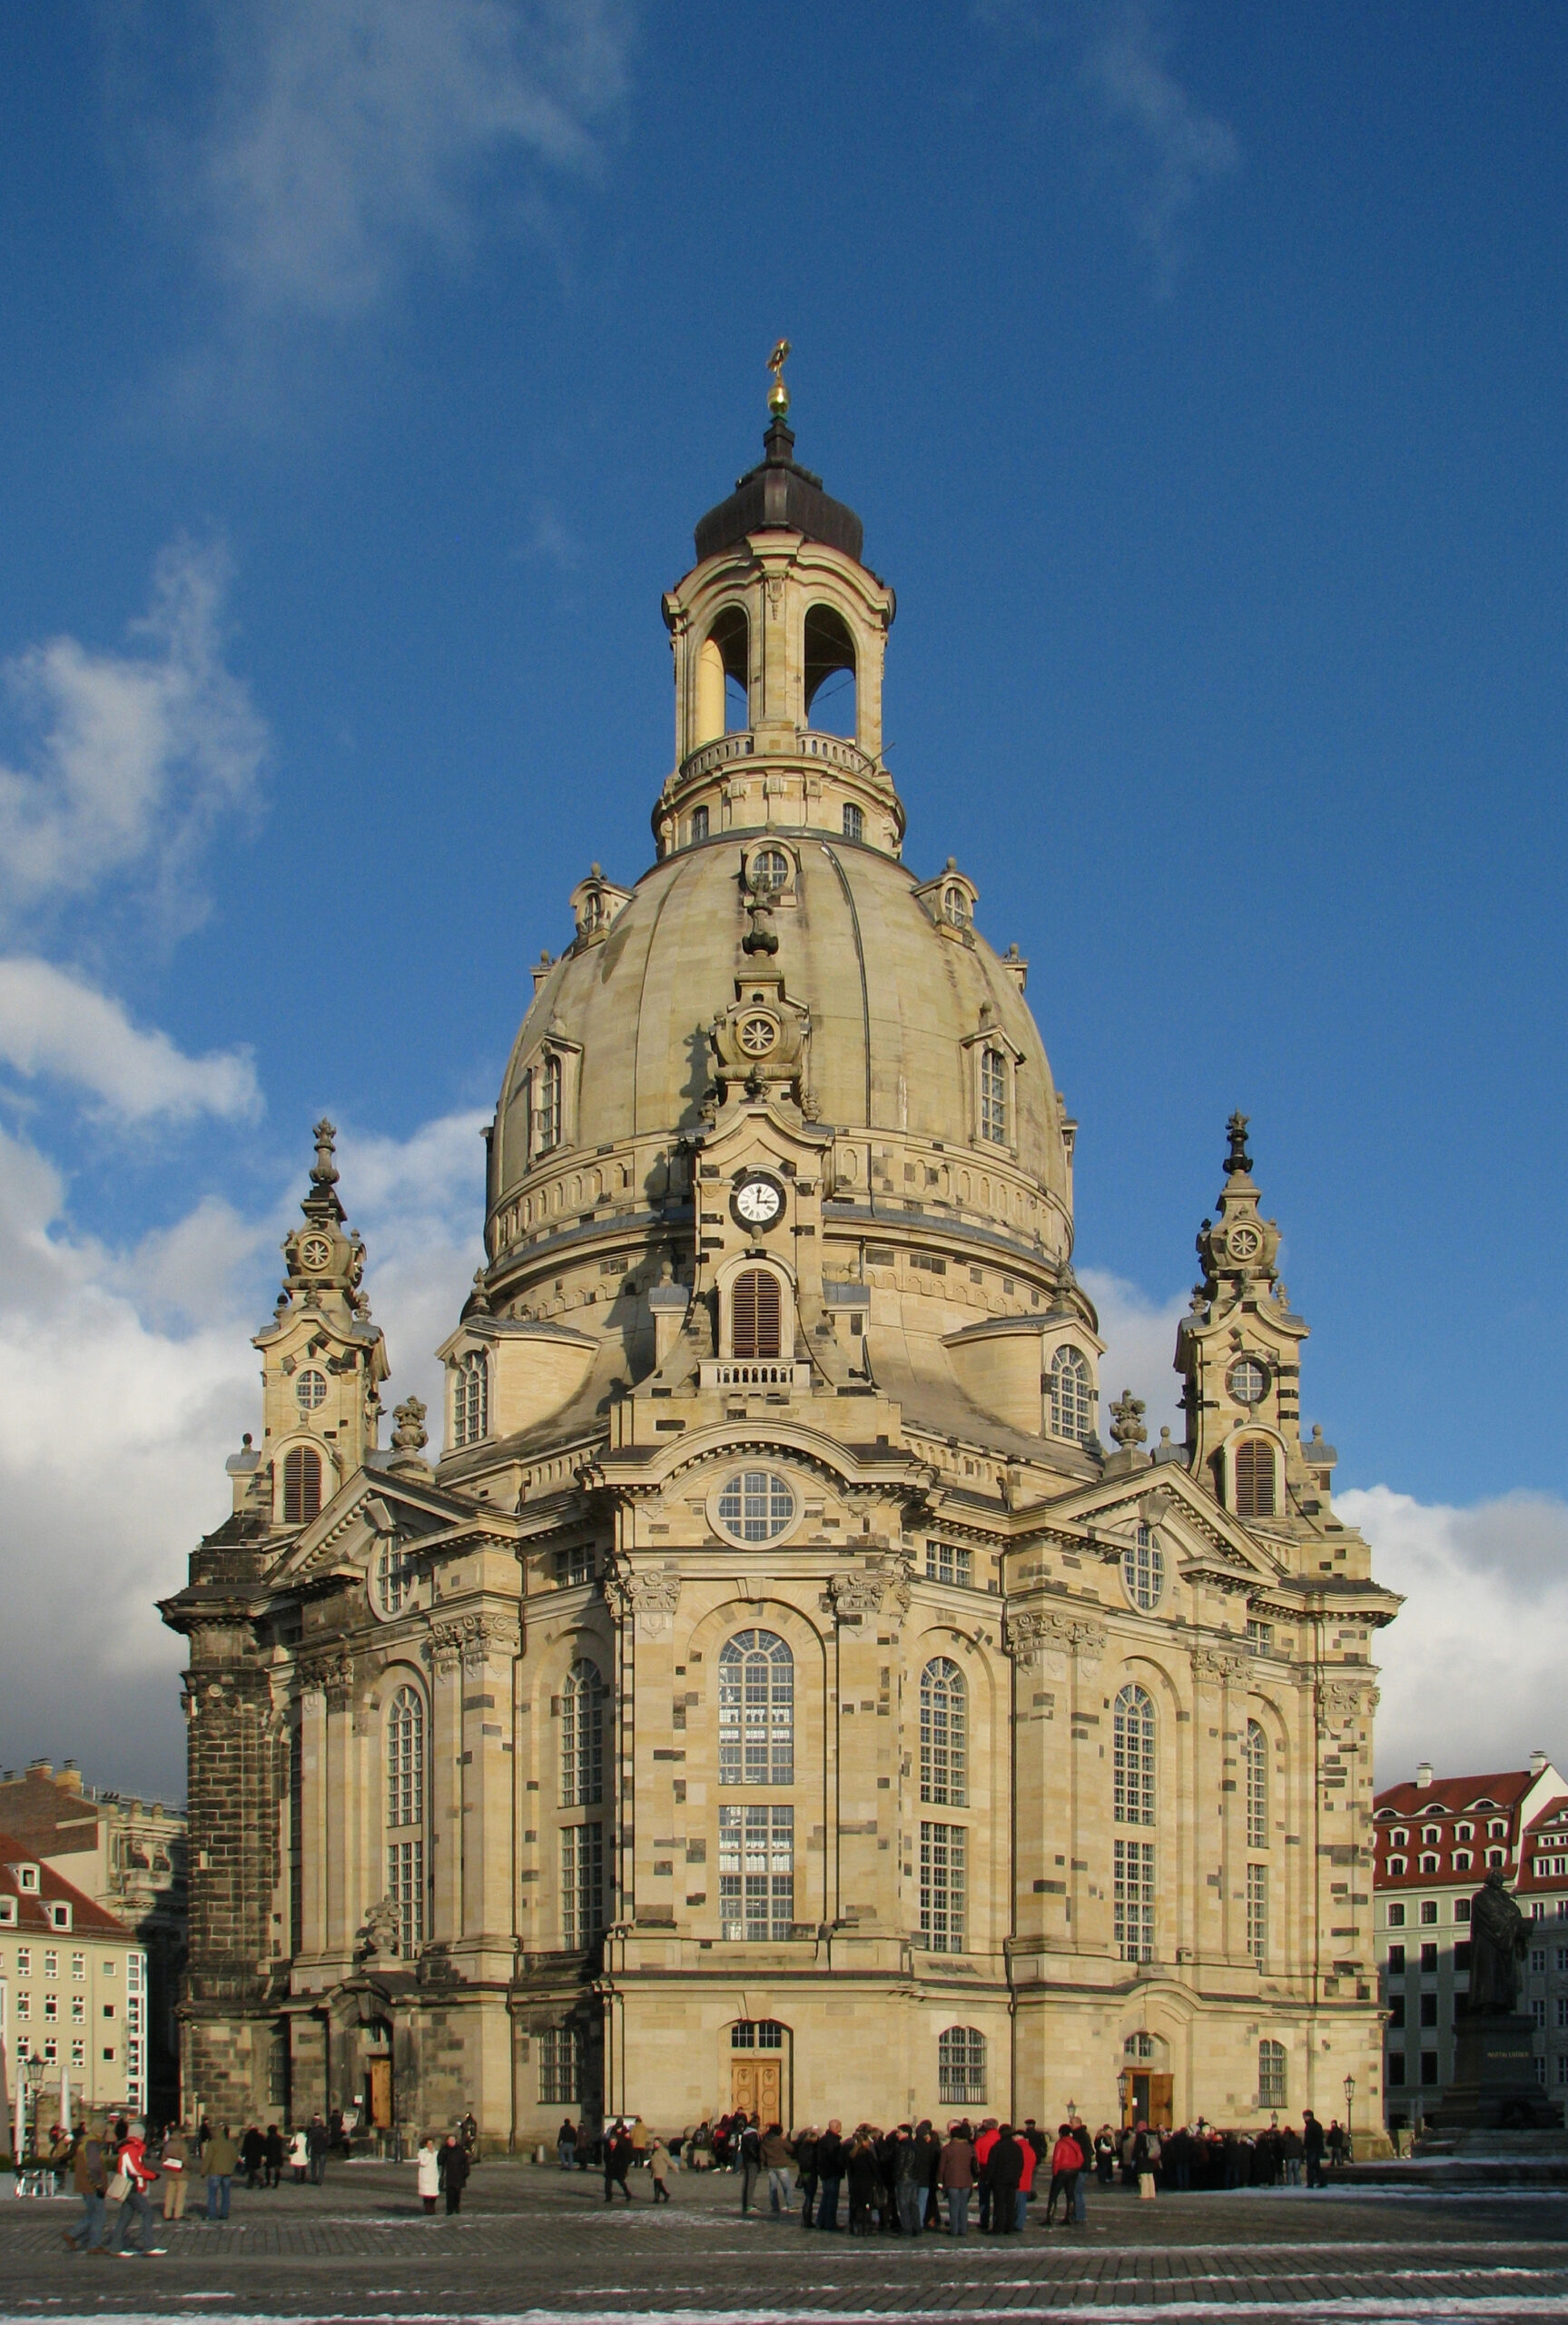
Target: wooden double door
1150,2101
757,2085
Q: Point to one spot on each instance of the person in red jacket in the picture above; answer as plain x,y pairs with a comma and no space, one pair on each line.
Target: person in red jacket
1066,2163
1029,2165
133,2162
985,2140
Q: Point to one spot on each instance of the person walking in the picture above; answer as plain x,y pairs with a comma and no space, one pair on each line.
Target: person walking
90,2177
660,2170
174,2162
802,2147
1066,2163
427,2165
955,2177
830,2166
299,2157
452,2171
137,2176
1312,2146
318,2139
751,2155
618,2161
221,2157
253,2155
567,2144
775,2163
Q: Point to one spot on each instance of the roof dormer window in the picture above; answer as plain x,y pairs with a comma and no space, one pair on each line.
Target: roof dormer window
26,1878
59,1913
7,1913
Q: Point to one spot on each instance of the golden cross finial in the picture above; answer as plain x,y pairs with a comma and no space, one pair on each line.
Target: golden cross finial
778,394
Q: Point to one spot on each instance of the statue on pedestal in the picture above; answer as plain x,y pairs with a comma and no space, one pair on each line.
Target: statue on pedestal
1499,1942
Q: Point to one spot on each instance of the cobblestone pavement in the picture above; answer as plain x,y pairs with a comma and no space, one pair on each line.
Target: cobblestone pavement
538,2245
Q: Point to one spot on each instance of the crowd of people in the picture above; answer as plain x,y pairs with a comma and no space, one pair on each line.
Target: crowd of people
910,2180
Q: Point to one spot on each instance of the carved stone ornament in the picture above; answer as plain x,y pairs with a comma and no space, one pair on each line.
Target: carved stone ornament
875,1591
379,1936
332,1675
1221,1664
476,1637
409,1432
647,1595
1036,1640
1341,1701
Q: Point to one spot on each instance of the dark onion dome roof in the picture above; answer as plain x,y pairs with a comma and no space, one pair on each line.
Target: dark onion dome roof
777,496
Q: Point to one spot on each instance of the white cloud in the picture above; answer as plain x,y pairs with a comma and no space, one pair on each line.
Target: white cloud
1472,1668
1149,135
1139,1337
349,137
134,755
126,1378
54,1024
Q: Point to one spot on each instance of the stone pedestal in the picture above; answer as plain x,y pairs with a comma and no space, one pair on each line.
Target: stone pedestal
1494,2088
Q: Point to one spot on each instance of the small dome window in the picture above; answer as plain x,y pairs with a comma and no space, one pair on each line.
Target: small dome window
1247,1381
756,1506
993,1096
854,820
699,824
470,1400
1071,1396
767,873
310,1390
955,906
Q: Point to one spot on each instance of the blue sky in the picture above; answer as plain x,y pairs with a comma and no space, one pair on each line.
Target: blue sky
1199,375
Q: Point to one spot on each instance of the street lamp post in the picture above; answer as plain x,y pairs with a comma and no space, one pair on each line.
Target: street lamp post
1123,2092
32,2070
1349,2124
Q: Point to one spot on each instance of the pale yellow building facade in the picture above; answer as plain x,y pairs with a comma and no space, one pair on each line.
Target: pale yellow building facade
769,1688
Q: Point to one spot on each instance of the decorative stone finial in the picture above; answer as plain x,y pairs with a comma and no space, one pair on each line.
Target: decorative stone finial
778,394
1127,1421
478,1299
761,936
1238,1158
324,1171
409,1432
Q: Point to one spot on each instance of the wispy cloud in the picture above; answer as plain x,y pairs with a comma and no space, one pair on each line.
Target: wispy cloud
54,1024
1140,1336
344,140
128,759
1149,134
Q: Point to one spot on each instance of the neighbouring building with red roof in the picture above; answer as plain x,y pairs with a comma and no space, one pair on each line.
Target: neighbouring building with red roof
73,1990
1435,1842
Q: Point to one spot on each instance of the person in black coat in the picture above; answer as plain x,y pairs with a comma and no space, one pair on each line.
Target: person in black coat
452,2171
619,2152
253,2155
830,2164
1003,2171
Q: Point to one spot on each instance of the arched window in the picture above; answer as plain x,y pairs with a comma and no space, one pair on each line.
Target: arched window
699,824
942,1738
1255,1760
993,1094
406,1815
854,820
767,871
470,1398
549,1089
1255,1478
583,1737
301,1485
1143,1570
394,1576
1133,1765
960,2067
756,1315
830,677
756,1709
955,907
1271,2089
1071,1399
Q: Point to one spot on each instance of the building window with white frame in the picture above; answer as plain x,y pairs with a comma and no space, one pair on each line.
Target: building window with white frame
756,1872
756,1709
1132,1756
582,1884
549,1123
1143,1571
583,1737
406,1815
394,1577
943,1721
470,1398
960,2067
1254,1769
1132,1899
1071,1395
948,1562
561,2067
993,1096
1271,2076
942,1888
1257,1913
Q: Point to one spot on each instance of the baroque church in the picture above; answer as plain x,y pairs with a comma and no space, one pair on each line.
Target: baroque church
767,1688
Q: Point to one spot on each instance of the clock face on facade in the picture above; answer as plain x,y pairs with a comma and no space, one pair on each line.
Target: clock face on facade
316,1253
757,1202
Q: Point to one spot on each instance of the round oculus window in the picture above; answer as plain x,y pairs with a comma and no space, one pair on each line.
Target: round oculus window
758,1036
311,1389
756,1506
316,1253
1247,1381
1245,1242
768,871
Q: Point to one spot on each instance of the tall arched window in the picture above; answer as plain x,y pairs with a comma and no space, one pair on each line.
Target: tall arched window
993,1096
583,1737
699,824
470,1398
1255,1478
942,1738
301,1485
960,2067
756,1315
549,1090
756,1709
1133,1764
1071,1398
406,1815
1255,1760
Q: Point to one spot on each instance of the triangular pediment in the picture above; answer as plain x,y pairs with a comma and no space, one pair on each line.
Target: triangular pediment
1208,1539
369,1505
